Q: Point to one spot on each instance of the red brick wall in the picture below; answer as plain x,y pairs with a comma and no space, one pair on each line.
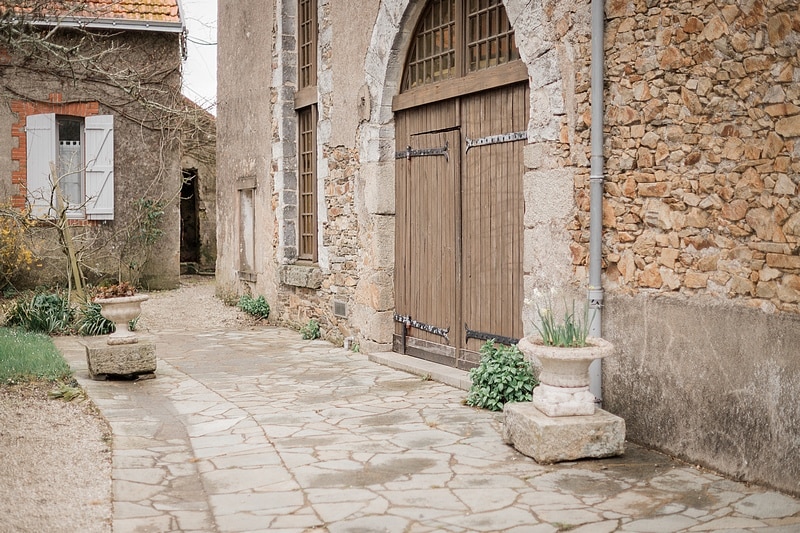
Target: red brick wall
23,109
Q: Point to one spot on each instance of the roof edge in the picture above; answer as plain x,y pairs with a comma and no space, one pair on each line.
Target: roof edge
114,24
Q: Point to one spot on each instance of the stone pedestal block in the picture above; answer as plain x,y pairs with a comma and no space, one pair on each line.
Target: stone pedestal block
553,439
122,360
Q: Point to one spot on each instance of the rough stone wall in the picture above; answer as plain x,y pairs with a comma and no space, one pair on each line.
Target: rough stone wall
703,157
553,39
146,158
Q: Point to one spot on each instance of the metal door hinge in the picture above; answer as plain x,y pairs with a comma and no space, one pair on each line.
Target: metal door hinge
496,139
408,153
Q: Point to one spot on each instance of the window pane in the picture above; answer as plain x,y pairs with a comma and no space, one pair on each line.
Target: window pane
246,231
490,39
307,183
431,56
307,43
487,32
70,161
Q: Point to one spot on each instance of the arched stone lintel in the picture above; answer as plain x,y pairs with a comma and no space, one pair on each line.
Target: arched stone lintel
383,67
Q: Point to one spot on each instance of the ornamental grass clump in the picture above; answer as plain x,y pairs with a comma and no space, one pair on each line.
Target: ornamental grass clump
92,322
571,331
44,312
502,376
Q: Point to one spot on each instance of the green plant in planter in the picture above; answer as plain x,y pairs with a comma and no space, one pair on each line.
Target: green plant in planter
122,289
257,307
570,331
502,376
310,330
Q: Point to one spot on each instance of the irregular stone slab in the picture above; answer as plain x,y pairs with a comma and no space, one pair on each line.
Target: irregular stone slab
133,360
553,439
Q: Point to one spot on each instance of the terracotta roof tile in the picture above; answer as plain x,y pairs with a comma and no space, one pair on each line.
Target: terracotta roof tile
159,11
143,10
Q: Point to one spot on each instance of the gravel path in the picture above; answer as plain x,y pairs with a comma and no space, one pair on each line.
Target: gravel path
55,463
55,456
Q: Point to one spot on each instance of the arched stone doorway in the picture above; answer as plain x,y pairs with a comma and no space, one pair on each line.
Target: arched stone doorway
460,120
543,118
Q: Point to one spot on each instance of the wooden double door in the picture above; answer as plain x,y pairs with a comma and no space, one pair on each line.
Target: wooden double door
459,222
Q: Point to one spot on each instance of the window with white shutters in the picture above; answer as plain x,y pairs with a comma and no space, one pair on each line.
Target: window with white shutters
82,152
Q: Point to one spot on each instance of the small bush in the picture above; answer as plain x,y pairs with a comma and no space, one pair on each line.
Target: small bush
14,254
310,330
503,376
257,307
27,356
43,312
91,322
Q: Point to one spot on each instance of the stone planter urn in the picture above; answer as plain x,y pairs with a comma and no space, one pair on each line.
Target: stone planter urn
564,375
121,310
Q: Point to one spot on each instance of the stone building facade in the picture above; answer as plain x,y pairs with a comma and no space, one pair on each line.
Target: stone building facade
701,214
140,157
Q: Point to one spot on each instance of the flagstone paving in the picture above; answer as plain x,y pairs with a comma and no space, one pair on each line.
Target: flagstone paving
259,430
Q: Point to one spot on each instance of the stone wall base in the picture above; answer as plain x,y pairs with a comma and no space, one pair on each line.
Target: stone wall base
552,439
123,360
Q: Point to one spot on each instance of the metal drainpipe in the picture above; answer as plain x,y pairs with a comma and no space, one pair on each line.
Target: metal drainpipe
596,199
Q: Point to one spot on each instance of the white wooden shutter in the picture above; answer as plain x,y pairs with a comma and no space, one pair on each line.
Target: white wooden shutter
99,134
40,138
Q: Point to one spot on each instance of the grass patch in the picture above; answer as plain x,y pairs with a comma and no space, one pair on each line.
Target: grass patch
26,356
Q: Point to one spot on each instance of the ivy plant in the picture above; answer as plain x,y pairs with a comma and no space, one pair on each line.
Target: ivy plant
502,376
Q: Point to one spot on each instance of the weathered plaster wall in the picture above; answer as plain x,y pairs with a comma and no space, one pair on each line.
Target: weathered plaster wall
7,143
243,144
348,50
691,379
313,291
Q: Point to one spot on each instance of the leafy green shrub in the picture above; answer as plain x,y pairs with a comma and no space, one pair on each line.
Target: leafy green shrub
258,307
27,356
503,376
43,313
310,330
91,322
